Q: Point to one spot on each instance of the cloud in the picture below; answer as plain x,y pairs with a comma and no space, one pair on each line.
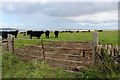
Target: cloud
44,1
21,8
61,14
101,17
59,9
77,9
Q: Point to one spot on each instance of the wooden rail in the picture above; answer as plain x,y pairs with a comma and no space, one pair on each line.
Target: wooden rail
9,43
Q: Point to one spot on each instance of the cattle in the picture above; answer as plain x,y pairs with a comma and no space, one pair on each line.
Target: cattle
77,31
99,30
47,33
56,34
71,31
35,34
24,33
28,32
64,31
14,33
4,34
85,31
88,30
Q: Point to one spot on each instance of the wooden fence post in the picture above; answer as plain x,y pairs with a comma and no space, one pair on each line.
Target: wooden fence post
118,50
1,58
11,43
43,49
0,44
109,50
94,46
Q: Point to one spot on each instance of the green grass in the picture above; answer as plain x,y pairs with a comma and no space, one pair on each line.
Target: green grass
108,37
21,43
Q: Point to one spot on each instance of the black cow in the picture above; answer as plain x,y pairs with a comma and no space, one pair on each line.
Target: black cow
77,31
99,30
56,34
28,32
24,33
71,31
62,31
14,33
4,34
35,34
66,31
85,31
47,33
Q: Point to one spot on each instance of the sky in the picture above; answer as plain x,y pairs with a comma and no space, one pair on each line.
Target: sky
59,15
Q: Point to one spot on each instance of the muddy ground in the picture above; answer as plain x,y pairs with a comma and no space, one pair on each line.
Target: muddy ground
68,55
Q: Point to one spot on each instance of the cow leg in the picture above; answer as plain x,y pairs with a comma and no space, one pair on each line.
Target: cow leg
56,36
31,37
47,35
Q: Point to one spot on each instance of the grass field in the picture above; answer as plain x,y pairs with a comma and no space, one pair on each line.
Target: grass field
14,67
108,37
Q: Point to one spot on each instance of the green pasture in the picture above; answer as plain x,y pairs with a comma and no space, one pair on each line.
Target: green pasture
106,37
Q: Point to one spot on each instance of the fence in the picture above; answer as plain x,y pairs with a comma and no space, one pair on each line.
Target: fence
67,54
70,55
82,55
8,43
110,50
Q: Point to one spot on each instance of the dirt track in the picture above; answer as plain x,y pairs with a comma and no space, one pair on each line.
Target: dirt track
67,55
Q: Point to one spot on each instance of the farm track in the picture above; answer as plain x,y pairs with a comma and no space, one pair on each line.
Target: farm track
57,56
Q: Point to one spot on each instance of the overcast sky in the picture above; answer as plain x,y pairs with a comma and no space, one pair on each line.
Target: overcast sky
59,15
